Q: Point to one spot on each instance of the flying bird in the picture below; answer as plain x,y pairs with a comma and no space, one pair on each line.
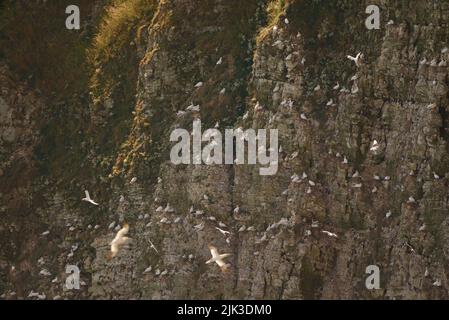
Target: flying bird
119,240
218,258
88,198
152,246
357,59
223,232
193,108
330,234
375,146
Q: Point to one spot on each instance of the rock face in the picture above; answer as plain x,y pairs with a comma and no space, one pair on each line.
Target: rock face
386,202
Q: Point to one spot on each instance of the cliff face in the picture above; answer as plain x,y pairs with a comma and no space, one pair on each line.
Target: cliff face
387,205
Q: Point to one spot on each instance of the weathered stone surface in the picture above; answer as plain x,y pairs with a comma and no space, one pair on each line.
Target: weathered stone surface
291,71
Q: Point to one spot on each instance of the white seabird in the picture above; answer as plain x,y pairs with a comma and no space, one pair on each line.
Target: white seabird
357,59
223,232
88,198
193,108
119,240
330,234
169,208
152,246
218,258
375,146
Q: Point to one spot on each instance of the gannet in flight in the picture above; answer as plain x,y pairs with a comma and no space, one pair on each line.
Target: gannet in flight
152,246
193,108
88,198
223,232
330,234
356,59
119,240
220,61
375,146
218,258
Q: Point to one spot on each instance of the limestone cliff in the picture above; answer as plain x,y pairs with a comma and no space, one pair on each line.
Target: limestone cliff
94,108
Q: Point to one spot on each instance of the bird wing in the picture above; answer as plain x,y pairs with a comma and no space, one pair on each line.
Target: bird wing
122,240
114,249
224,255
213,252
87,194
220,263
124,230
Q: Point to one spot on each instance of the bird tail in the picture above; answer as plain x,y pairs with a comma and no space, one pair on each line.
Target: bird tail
225,268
